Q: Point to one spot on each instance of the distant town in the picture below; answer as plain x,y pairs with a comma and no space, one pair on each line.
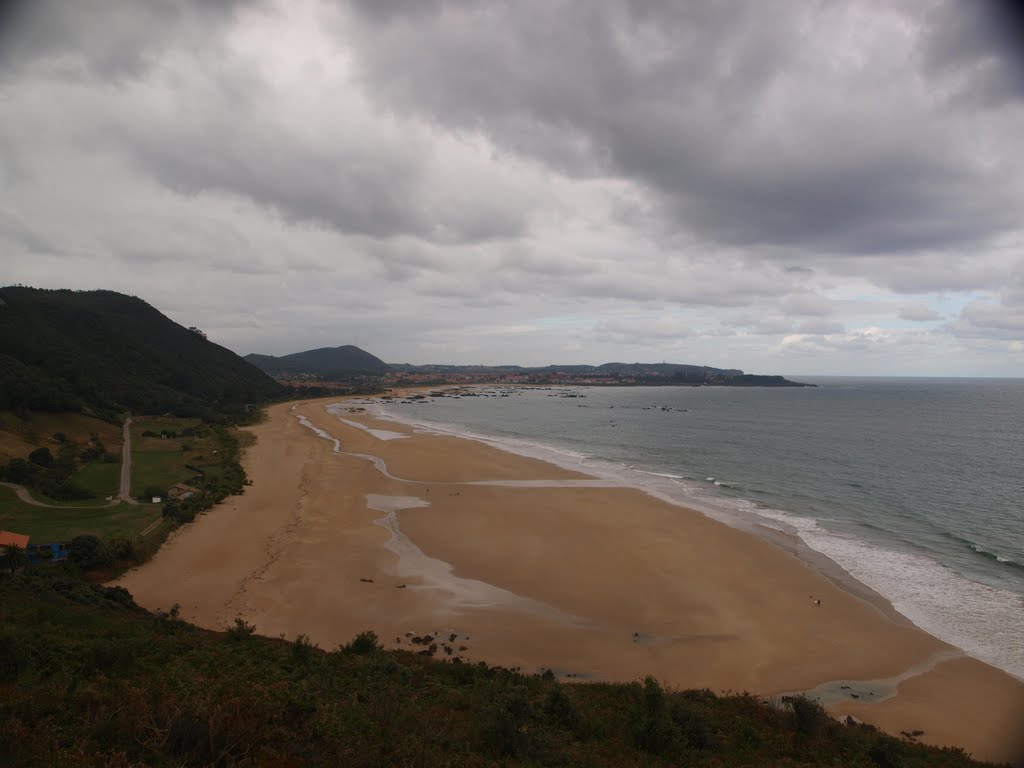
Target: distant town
637,375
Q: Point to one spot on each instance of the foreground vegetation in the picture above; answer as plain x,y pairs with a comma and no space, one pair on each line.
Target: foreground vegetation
89,679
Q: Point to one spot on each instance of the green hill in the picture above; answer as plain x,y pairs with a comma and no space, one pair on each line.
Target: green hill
106,352
325,361
89,679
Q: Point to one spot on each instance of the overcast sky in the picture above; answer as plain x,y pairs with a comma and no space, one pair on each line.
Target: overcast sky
784,187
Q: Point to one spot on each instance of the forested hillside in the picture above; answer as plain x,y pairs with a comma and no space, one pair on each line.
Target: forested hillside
325,361
105,352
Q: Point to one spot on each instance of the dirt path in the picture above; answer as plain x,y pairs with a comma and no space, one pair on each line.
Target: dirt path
125,494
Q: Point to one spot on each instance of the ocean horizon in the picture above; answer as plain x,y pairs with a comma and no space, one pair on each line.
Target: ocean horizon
910,485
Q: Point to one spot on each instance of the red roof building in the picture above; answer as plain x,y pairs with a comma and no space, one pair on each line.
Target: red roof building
17,539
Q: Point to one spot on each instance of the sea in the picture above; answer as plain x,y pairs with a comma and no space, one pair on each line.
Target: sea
912,486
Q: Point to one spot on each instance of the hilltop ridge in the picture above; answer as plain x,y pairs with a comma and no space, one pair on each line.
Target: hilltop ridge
324,361
348,361
106,352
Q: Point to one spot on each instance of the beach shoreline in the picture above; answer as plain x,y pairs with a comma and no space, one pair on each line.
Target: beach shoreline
595,582
789,542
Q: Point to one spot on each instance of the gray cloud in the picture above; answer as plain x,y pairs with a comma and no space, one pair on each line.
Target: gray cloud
719,108
734,183
1002,318
981,42
919,313
101,38
807,304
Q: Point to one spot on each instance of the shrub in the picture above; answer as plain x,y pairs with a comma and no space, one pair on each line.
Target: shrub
653,729
119,595
89,551
122,549
693,724
241,629
886,753
302,649
503,726
17,471
364,642
809,717
560,710
42,457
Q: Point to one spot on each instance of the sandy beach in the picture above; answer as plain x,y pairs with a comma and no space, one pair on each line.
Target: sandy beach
526,564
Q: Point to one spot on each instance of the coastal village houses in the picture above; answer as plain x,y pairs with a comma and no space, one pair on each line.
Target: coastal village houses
180,492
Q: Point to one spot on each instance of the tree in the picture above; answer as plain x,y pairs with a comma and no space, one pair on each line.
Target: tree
42,457
89,551
12,558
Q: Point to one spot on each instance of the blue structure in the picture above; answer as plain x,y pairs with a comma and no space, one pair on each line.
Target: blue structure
54,552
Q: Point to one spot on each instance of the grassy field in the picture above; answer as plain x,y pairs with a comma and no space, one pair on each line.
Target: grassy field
99,478
62,524
160,462
160,469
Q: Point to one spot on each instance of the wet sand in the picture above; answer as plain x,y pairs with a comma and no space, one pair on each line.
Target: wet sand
410,533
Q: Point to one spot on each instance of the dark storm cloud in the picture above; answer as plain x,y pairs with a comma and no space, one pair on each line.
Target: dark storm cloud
984,40
104,38
718,109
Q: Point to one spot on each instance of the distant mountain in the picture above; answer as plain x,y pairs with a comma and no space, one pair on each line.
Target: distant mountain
108,352
325,361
